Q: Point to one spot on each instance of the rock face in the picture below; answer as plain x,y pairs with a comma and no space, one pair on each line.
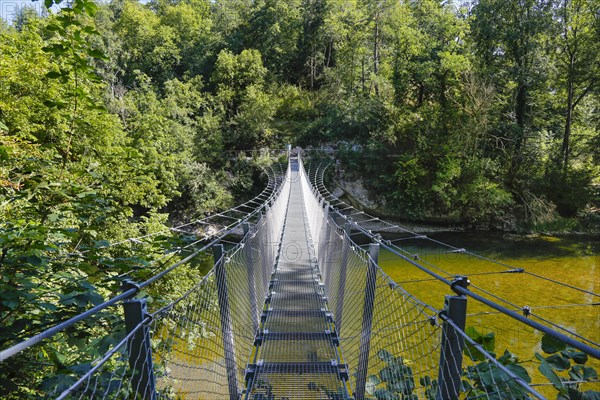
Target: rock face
356,189
353,191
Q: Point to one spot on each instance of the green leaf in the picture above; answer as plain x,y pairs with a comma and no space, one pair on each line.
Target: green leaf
101,243
47,306
551,345
91,30
384,394
578,356
88,268
519,371
53,217
48,3
57,49
404,386
548,372
371,384
582,373
487,341
54,28
590,395
97,54
558,362
589,373
576,373
385,356
11,304
90,7
34,260
508,358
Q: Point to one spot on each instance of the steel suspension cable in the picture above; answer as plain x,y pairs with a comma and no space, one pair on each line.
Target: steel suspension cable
318,180
595,352
13,350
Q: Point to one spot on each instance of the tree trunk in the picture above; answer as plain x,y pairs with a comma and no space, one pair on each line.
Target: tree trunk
520,115
376,53
444,104
363,75
565,149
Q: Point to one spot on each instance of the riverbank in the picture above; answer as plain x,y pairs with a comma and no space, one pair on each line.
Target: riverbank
355,193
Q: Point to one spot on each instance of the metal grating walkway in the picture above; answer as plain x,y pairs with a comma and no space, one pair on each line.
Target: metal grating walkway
297,353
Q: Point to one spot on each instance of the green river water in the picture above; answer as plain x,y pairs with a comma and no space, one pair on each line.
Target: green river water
572,261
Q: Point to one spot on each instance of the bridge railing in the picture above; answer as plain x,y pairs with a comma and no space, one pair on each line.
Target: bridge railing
207,337
389,339
198,344
395,345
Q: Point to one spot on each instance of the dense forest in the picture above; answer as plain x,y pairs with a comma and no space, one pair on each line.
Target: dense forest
118,118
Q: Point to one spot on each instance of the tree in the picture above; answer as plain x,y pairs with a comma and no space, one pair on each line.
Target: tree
147,44
578,61
274,29
509,38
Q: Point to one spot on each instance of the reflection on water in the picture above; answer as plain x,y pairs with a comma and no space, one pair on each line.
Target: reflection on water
572,261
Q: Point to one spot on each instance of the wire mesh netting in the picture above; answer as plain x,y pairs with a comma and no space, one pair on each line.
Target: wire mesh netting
389,340
210,334
197,346
508,344
297,353
297,310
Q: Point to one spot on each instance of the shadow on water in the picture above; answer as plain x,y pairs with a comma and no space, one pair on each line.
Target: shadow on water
498,245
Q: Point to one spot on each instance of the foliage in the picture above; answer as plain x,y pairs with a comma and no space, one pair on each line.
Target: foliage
486,378
86,164
565,368
395,381
118,119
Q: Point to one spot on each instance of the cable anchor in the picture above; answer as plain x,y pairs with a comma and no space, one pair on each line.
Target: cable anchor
128,284
433,320
461,281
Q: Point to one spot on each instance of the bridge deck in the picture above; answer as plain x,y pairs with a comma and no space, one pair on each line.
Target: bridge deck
298,355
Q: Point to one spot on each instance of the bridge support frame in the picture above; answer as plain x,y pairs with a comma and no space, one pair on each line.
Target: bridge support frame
367,323
339,308
139,347
251,284
451,354
226,323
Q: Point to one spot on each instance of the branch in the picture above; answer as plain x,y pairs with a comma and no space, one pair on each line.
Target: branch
584,93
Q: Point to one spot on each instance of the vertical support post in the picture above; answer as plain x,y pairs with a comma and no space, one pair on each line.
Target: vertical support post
322,243
139,347
367,323
226,324
451,355
250,268
339,307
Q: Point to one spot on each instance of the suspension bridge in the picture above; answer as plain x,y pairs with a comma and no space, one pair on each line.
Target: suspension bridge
298,310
